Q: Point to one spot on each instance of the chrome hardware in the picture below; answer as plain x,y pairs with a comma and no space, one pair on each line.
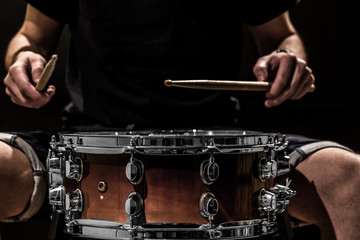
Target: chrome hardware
74,201
54,164
53,142
283,195
214,233
102,229
248,229
134,171
210,145
55,180
98,229
57,197
276,199
267,169
267,201
208,206
134,205
275,164
283,161
74,168
209,171
74,204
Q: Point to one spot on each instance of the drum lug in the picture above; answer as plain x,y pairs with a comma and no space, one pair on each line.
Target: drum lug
208,206
74,204
134,207
74,168
275,164
268,169
54,165
57,197
209,171
276,199
134,171
283,161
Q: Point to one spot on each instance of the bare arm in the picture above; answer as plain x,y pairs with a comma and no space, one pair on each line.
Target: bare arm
26,56
293,77
278,33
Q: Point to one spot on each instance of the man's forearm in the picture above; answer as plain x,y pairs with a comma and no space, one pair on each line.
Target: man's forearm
18,44
294,44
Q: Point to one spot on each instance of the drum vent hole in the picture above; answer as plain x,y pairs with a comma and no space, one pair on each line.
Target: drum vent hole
102,186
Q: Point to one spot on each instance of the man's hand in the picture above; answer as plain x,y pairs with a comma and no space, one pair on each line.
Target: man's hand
291,77
22,78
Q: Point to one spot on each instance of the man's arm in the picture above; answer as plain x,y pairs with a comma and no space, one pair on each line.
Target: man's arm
27,53
38,33
293,77
279,33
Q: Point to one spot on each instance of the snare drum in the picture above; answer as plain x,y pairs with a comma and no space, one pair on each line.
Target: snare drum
195,184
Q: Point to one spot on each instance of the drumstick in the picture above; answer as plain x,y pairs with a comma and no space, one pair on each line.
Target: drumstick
46,74
223,85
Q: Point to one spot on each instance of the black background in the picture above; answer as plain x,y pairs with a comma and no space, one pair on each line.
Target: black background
330,30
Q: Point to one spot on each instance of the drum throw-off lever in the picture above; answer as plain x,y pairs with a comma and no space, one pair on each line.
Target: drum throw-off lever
276,199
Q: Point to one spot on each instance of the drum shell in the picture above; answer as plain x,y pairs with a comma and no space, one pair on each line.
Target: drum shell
171,187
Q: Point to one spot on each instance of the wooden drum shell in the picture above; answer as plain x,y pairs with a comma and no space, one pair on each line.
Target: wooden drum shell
171,187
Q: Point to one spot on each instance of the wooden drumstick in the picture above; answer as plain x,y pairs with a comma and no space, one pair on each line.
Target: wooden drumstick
223,85
46,74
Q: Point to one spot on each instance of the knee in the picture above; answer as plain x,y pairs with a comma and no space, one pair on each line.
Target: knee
16,181
332,164
333,172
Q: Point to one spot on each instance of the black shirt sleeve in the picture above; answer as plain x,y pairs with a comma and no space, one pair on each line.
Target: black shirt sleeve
60,10
260,11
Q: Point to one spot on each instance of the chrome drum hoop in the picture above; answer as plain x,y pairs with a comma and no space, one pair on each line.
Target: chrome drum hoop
171,142
101,229
247,229
152,231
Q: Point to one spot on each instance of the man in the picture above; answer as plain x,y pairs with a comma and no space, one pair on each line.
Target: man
120,53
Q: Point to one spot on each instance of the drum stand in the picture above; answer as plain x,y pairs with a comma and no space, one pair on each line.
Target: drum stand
284,226
57,225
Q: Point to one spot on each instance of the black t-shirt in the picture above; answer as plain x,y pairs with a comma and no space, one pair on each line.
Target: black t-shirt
122,51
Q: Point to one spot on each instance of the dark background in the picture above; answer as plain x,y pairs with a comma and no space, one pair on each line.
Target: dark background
330,30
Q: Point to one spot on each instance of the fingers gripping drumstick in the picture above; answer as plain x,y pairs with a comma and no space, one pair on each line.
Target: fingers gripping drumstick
46,74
